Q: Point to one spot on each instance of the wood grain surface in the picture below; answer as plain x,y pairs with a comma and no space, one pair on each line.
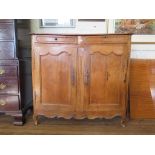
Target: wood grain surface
142,89
80,76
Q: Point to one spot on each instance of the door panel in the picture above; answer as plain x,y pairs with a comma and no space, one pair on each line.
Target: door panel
57,80
97,78
104,74
114,79
57,84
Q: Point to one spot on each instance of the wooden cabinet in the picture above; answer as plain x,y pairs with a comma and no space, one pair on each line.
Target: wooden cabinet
80,76
9,72
24,56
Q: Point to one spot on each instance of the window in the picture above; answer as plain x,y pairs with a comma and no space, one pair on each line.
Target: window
58,23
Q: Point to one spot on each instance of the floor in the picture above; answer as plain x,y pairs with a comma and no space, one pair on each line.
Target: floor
76,127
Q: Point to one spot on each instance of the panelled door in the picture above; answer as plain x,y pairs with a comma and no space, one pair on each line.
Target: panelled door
55,77
102,79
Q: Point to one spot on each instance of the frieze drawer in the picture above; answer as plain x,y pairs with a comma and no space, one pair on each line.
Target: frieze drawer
103,39
56,39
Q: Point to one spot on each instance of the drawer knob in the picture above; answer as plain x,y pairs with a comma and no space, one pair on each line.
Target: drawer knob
55,38
2,71
2,102
2,86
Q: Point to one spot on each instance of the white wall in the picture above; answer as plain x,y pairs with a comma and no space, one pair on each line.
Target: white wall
81,27
143,51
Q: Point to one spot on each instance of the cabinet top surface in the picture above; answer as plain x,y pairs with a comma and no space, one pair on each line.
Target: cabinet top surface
103,34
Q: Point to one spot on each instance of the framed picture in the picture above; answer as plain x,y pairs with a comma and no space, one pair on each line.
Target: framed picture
57,23
134,26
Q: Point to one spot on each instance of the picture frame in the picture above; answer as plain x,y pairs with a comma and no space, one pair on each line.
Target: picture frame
57,23
132,26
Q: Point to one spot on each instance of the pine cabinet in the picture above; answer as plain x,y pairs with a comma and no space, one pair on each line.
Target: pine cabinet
80,76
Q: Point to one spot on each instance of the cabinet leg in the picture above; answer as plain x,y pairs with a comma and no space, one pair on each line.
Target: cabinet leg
35,119
123,122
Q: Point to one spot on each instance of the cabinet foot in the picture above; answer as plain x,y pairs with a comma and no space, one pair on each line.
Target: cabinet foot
18,119
123,123
35,119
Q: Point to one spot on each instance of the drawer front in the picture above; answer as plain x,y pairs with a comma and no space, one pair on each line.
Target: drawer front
104,39
8,86
7,50
11,62
6,20
56,39
8,71
9,103
6,32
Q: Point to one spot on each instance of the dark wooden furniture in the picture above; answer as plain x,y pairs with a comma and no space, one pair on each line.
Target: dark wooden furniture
24,56
142,89
80,76
9,72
